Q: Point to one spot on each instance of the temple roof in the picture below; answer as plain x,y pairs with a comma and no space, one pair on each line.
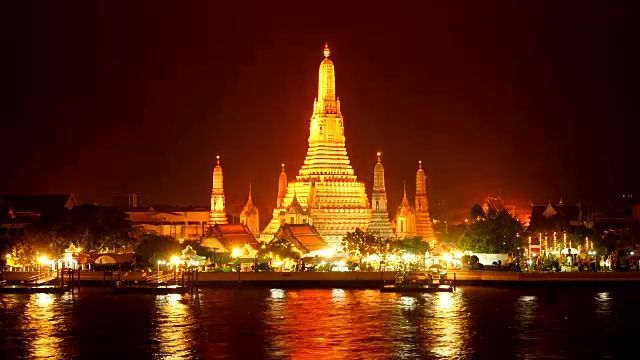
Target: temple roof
304,237
295,206
167,209
249,208
573,215
232,235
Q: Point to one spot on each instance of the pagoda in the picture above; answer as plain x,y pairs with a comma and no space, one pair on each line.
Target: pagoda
424,226
405,221
218,213
326,186
250,216
379,215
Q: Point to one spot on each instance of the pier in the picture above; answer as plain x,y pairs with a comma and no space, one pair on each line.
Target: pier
190,281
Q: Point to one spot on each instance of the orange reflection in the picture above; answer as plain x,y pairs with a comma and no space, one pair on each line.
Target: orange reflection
174,320
447,333
321,324
42,323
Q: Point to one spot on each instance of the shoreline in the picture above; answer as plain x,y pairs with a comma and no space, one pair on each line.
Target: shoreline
348,280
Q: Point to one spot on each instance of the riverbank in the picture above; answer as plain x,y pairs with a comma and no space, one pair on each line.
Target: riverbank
352,279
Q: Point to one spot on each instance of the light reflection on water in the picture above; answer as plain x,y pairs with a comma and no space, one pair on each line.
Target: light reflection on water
40,319
44,323
319,324
173,320
525,329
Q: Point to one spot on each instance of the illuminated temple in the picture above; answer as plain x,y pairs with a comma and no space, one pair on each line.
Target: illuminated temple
326,192
414,221
379,215
218,213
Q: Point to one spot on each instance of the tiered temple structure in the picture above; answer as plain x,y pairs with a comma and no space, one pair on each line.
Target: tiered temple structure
405,222
379,215
412,221
250,216
424,226
218,214
326,187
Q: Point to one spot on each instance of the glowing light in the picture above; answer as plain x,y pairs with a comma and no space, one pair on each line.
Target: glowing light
175,259
326,252
373,257
408,257
447,257
235,252
277,294
43,259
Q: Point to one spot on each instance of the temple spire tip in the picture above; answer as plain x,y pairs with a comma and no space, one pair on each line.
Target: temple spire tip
217,159
327,52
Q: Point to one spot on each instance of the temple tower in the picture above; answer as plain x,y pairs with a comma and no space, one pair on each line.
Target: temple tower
250,216
218,214
326,185
405,222
282,188
424,227
379,215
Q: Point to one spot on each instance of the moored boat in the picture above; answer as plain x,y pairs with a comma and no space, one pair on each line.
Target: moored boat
433,280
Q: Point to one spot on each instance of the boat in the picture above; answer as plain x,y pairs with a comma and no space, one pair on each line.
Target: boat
433,280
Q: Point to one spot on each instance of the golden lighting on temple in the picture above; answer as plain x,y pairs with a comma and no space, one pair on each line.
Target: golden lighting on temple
327,192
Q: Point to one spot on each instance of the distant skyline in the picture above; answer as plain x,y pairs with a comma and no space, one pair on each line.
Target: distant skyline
527,102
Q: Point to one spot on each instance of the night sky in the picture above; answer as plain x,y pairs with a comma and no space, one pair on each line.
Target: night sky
532,102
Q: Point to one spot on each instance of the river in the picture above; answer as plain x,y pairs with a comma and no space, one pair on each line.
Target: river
474,322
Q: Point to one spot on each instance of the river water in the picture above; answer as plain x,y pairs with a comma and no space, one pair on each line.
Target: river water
475,322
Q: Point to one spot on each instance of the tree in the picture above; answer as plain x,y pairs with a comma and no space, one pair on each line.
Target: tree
26,247
281,247
95,228
360,244
413,245
476,213
152,248
579,236
497,233
207,252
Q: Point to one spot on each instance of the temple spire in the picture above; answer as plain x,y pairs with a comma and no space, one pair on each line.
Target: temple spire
326,103
250,216
218,214
379,215
282,188
424,226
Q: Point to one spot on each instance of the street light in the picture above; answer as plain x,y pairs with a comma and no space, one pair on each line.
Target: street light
160,262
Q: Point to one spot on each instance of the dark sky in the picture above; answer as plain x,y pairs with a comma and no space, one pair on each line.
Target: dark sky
530,102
